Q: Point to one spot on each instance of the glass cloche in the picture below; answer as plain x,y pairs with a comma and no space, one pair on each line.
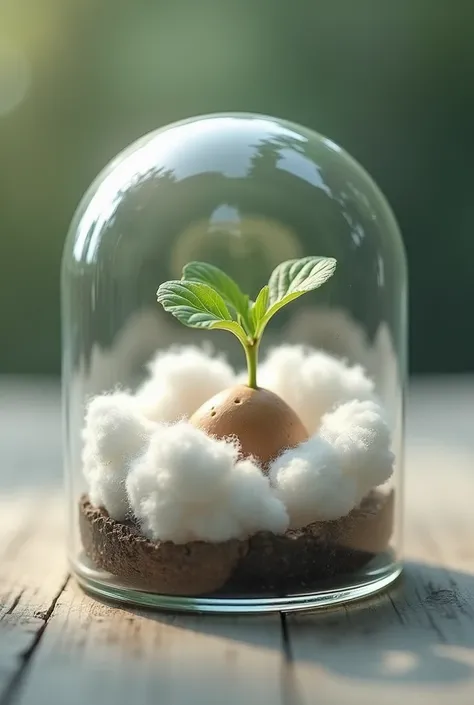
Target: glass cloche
234,295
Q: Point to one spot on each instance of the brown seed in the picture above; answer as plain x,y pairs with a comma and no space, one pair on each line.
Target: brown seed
261,421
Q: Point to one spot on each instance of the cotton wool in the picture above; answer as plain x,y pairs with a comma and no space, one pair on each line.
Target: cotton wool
180,381
360,437
310,483
313,382
114,434
190,487
141,454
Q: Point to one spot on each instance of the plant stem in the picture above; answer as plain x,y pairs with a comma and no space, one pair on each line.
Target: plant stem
251,353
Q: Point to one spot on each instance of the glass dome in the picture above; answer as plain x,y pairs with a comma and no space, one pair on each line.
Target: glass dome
234,296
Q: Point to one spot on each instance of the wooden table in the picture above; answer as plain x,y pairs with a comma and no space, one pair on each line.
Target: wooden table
60,647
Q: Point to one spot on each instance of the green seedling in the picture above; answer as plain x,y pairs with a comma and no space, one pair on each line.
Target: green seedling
208,298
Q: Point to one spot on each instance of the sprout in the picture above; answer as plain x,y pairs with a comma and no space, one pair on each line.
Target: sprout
208,298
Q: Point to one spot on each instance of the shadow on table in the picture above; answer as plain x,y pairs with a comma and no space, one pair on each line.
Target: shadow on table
422,631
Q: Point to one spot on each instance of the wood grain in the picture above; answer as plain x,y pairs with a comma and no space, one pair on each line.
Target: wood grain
416,643
96,653
33,575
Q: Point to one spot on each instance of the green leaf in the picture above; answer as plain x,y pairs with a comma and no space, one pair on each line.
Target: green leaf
297,276
292,279
221,283
259,308
198,306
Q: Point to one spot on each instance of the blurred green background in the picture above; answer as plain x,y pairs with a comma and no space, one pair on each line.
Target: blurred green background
392,82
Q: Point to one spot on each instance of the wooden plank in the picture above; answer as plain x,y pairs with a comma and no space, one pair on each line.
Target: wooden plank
33,574
93,652
417,643
32,553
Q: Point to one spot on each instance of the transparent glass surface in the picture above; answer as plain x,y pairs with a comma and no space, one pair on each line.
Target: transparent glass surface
245,193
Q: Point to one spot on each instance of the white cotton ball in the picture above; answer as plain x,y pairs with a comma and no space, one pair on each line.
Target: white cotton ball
313,382
189,487
195,463
253,501
180,382
115,426
245,506
311,485
114,434
361,438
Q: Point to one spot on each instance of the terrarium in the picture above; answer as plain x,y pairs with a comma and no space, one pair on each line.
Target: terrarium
234,332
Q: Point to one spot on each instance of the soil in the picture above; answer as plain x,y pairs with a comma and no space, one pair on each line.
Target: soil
160,566
294,562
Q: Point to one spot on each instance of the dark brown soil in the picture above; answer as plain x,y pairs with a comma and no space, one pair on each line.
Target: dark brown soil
300,559
171,569
266,563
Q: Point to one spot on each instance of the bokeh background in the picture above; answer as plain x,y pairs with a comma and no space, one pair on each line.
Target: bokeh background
392,82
